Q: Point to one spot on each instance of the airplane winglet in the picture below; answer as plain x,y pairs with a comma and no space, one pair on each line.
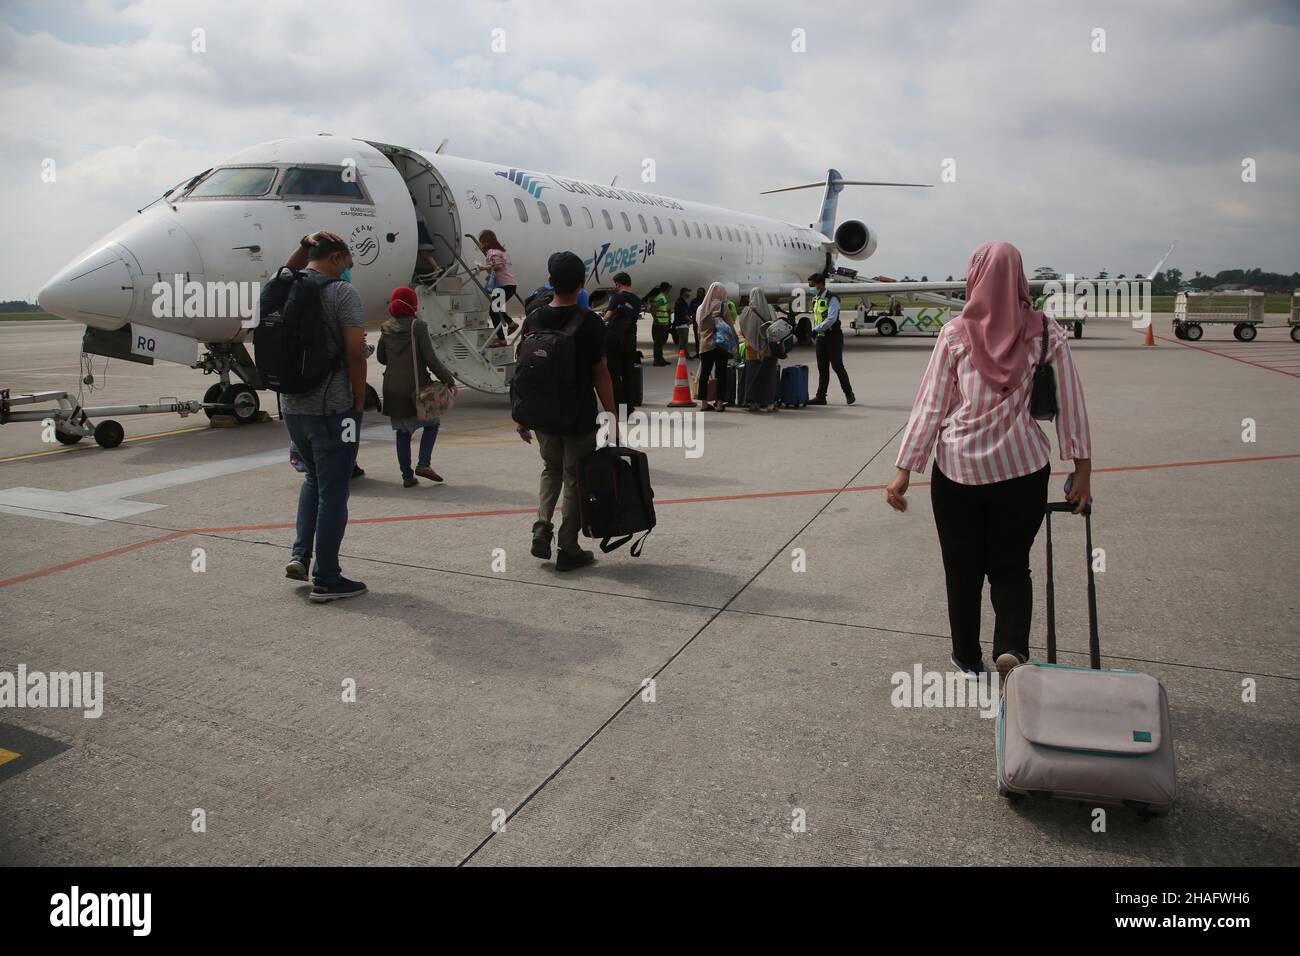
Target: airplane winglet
1161,264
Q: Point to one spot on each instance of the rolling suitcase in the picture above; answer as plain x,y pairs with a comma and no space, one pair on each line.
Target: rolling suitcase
794,386
1083,733
739,380
615,500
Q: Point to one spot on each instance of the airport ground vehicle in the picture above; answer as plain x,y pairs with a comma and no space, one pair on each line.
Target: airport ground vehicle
1243,310
926,320
1294,319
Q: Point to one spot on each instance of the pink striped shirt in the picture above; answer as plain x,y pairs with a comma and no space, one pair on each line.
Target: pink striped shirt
985,436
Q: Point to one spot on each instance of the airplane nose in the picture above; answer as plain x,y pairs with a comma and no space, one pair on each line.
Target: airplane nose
95,290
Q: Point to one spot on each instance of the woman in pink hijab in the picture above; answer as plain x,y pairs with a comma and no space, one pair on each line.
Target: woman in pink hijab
989,481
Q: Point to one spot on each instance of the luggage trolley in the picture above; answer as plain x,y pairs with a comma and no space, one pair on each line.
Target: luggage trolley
1193,310
1294,320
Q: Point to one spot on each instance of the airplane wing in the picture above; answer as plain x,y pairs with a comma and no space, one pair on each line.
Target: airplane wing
880,288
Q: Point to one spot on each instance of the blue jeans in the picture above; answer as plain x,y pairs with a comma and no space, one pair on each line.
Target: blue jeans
323,500
428,435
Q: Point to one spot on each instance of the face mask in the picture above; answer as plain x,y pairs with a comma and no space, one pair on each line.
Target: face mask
346,275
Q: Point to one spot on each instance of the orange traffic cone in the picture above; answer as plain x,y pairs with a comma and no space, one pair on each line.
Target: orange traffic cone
1151,333
682,387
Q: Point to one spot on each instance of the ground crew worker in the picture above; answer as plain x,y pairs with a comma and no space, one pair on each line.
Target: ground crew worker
621,313
830,341
663,319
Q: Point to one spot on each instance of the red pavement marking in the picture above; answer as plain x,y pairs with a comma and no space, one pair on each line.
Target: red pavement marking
1201,348
44,572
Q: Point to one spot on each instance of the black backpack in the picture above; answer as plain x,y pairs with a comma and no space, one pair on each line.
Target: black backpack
544,390
615,497
620,330
291,341
538,298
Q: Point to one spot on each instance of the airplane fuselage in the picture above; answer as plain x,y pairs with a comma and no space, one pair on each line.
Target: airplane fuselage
240,221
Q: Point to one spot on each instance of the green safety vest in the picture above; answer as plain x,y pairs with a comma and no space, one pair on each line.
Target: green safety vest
821,306
661,309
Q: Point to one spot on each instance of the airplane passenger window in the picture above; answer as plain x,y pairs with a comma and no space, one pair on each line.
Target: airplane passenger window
627,223
730,237
697,229
564,211
609,223
658,228
708,234
586,214
519,208
321,183
644,227
748,241
673,226
546,213
494,207
232,181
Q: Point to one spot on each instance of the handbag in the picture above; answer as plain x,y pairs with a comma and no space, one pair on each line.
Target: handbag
1042,396
724,337
780,337
431,400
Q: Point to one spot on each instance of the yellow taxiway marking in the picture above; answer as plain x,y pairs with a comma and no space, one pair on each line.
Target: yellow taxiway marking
7,755
70,448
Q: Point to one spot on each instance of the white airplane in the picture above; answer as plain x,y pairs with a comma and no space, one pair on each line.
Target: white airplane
232,227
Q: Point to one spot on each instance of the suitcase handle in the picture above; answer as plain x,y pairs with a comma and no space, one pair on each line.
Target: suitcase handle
1094,644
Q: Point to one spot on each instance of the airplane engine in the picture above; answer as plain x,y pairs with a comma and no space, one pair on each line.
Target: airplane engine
854,240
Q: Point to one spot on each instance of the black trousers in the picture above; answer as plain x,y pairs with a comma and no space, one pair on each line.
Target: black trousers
659,335
681,337
620,351
830,355
987,531
711,362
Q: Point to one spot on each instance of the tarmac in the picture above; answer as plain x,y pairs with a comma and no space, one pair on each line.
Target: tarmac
501,711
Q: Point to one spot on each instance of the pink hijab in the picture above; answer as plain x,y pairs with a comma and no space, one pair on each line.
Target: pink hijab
998,325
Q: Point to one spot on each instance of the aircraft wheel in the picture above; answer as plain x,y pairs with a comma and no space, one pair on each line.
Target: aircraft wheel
1295,333
1245,332
213,394
1078,330
109,434
66,438
245,401
887,327
1193,332
373,401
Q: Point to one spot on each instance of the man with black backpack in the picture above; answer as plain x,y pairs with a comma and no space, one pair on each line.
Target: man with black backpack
561,360
310,347
621,314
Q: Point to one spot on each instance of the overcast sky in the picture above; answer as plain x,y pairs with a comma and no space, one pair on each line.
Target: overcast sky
1084,160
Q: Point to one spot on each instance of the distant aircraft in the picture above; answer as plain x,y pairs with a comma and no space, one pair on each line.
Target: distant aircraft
236,223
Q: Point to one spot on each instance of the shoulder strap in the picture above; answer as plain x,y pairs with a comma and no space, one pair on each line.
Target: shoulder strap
1042,359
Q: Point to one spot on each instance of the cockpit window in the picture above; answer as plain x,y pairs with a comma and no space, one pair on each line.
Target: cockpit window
339,182
235,181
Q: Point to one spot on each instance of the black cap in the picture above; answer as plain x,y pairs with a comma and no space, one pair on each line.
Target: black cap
817,277
566,271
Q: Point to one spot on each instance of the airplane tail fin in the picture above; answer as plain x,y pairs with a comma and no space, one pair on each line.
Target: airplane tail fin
834,185
830,202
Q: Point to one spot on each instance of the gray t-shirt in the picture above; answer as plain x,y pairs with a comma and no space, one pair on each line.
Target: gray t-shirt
341,308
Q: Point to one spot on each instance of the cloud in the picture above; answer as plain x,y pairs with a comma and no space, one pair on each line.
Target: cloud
1086,160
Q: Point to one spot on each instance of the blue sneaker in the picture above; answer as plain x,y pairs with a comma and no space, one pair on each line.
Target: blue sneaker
339,590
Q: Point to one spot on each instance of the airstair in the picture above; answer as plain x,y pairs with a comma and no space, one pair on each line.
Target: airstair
455,305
